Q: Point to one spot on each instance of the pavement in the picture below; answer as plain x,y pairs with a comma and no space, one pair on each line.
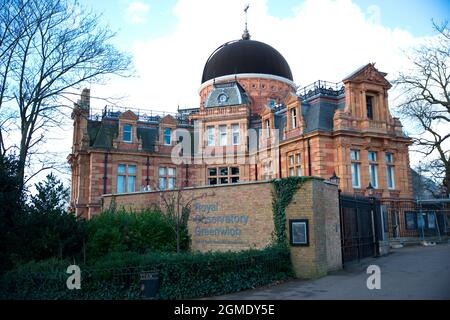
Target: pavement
415,272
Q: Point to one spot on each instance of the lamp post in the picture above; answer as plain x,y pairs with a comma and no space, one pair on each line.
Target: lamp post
370,190
335,179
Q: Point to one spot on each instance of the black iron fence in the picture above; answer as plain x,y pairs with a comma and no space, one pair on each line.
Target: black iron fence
180,278
321,87
360,227
414,219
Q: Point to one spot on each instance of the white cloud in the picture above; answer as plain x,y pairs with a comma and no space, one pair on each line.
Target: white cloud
137,12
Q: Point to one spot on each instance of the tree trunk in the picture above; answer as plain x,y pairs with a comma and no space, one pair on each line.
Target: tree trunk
446,181
178,239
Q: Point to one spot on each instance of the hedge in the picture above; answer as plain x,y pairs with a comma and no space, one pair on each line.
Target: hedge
120,231
183,276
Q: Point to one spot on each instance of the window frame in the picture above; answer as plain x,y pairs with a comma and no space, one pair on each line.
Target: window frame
369,106
294,164
169,135
235,134
223,134
125,131
210,136
294,118
373,168
229,176
355,163
165,177
390,173
127,176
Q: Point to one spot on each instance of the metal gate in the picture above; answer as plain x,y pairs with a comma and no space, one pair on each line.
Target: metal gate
360,221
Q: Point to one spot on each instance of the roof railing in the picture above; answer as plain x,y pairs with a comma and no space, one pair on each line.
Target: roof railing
144,115
321,87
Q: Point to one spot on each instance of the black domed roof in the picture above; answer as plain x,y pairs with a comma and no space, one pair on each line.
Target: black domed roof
245,56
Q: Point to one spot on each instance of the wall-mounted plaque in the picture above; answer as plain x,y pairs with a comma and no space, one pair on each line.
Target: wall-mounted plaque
299,232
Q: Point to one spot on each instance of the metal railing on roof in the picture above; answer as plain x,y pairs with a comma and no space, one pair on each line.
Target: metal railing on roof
144,115
321,87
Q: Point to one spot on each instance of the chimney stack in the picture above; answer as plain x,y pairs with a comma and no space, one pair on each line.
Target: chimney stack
85,100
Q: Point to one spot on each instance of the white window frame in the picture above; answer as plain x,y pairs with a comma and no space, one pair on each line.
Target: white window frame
126,131
235,135
356,165
373,168
389,158
166,178
170,136
354,155
211,136
223,135
127,176
294,118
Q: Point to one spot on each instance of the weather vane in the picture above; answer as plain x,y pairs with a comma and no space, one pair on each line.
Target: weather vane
246,35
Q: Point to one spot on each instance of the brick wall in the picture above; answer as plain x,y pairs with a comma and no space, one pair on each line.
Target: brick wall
316,201
223,217
239,216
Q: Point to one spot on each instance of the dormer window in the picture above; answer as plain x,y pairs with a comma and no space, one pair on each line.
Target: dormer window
167,136
369,107
294,118
127,133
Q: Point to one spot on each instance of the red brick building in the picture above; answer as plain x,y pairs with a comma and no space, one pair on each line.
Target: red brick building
252,123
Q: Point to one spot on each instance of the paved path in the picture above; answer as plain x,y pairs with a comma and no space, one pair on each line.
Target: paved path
408,273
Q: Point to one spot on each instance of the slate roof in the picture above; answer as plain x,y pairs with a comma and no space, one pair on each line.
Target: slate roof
233,91
102,133
318,116
149,137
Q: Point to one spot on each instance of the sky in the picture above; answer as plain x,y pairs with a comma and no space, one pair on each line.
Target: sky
170,42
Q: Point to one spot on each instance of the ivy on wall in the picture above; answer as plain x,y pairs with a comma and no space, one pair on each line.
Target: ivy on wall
283,192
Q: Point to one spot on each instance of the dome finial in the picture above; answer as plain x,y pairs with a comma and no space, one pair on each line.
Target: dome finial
246,35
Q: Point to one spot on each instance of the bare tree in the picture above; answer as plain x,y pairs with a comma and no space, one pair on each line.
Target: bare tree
426,91
176,206
48,49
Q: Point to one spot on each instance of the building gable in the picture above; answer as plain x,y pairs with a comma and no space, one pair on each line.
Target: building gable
368,73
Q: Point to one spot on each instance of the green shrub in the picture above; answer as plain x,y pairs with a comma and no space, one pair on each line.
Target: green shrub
119,231
182,276
47,235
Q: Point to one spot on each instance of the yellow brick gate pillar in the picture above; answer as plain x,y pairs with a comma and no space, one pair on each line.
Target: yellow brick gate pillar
314,208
